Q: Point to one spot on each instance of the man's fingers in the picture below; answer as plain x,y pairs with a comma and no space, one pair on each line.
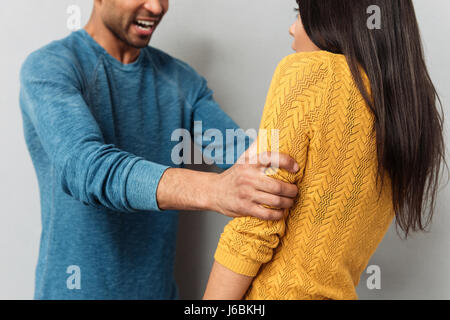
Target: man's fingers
276,187
271,200
288,163
268,159
263,213
278,160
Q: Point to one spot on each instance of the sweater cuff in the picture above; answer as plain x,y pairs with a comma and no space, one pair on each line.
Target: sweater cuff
236,264
142,184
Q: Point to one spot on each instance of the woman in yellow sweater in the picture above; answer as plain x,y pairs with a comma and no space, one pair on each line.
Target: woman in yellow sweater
356,109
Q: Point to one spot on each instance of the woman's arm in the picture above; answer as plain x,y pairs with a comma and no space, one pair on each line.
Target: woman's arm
247,243
224,284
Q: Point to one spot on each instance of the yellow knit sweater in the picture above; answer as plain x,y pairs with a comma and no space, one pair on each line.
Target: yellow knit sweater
340,215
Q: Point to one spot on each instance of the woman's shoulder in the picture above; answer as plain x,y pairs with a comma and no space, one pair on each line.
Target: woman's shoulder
314,68
319,64
307,70
310,59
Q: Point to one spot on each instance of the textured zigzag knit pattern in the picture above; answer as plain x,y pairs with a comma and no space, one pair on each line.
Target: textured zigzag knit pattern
341,214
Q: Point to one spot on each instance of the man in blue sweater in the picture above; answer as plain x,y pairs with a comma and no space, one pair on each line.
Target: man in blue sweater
99,109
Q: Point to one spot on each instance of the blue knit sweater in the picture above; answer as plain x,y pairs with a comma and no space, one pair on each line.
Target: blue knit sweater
99,133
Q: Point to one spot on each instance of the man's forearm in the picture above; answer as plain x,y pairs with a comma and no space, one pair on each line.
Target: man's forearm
184,189
242,190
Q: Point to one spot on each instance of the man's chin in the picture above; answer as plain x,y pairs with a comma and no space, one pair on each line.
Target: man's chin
140,43
141,46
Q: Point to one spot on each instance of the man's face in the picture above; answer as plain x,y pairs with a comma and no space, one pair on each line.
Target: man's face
132,21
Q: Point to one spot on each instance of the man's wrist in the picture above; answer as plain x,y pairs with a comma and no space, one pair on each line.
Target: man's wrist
208,194
184,189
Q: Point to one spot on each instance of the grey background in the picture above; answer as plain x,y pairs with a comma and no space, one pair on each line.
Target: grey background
236,45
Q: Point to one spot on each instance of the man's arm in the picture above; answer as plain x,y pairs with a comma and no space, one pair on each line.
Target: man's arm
85,167
243,188
101,175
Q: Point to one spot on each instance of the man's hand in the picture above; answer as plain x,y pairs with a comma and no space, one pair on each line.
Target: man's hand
243,189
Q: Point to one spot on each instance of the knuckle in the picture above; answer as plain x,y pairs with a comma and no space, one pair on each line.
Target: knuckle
277,188
265,215
242,179
240,209
241,193
276,202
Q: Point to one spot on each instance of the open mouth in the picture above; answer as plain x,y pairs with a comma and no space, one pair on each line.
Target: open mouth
145,25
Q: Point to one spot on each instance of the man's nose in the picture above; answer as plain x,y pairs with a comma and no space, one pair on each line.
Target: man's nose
154,6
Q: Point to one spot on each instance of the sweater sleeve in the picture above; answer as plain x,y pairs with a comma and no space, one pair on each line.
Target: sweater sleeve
248,242
86,168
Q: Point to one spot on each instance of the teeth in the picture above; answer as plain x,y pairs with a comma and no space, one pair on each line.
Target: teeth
146,23
143,28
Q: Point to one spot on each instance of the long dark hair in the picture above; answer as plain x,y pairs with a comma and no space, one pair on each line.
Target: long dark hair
409,128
